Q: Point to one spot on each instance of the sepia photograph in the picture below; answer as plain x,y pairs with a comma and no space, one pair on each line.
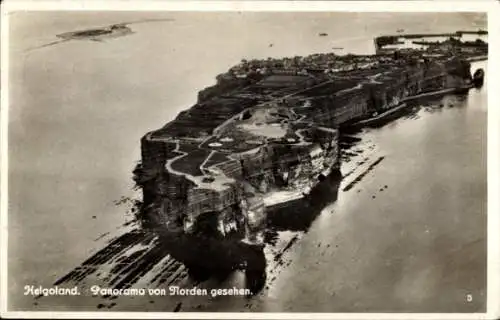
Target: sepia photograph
233,161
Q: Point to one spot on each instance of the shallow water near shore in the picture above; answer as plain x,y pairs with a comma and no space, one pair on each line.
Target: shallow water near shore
409,235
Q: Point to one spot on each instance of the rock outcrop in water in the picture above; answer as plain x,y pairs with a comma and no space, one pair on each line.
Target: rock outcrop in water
264,134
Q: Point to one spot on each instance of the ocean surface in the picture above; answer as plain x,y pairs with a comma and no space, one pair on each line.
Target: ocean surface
410,236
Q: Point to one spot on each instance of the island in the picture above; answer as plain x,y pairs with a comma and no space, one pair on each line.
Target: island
267,133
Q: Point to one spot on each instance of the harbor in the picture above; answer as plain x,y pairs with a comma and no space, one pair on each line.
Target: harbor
401,229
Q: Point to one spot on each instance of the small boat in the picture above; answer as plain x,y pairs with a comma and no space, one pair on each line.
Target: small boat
400,30
323,34
338,48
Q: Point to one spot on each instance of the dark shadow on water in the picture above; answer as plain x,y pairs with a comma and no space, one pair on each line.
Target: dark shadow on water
205,255
298,215
214,257
209,256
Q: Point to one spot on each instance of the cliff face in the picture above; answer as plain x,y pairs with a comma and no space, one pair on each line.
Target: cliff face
216,167
232,190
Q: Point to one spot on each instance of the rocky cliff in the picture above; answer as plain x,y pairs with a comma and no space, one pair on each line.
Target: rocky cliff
217,166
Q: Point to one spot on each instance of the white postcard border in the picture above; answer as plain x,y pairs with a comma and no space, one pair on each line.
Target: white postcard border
493,143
